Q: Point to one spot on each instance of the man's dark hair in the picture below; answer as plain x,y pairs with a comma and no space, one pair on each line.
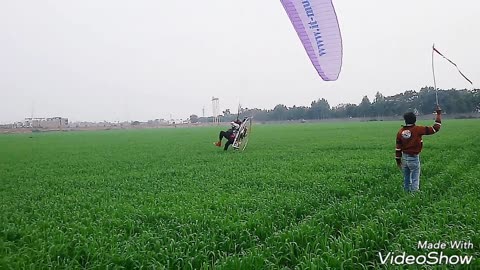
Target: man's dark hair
410,118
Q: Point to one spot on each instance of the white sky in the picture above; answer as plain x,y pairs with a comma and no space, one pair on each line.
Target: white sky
137,60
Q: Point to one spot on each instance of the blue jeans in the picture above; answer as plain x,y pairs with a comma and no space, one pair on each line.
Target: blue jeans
411,172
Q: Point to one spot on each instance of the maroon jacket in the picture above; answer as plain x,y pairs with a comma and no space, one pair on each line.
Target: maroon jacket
409,138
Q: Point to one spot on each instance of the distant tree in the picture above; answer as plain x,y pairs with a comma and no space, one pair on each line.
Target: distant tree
297,113
365,107
345,110
194,118
320,109
226,112
280,112
476,100
424,101
379,105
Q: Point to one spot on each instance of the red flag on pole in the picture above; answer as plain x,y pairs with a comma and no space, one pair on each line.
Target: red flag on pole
435,50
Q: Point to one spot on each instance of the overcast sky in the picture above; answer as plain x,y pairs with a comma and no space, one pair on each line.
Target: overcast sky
120,60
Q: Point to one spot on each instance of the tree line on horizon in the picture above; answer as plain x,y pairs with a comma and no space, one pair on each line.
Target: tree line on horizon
422,102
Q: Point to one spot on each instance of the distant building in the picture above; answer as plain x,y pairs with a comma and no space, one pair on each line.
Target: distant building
53,122
7,126
31,122
157,122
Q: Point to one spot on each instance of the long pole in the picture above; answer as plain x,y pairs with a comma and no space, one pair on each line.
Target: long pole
433,72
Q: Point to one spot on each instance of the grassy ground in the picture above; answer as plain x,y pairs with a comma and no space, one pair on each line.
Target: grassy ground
308,196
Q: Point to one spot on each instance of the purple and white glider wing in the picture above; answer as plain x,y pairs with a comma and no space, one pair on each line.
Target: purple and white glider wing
317,27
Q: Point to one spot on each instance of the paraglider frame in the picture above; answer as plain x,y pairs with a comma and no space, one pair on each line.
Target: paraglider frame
243,134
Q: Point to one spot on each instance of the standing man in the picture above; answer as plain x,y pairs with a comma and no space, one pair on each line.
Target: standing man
409,145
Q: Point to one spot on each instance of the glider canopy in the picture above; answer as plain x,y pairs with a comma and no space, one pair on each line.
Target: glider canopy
317,27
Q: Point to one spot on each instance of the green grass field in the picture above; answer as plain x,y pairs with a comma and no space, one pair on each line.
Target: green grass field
302,196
